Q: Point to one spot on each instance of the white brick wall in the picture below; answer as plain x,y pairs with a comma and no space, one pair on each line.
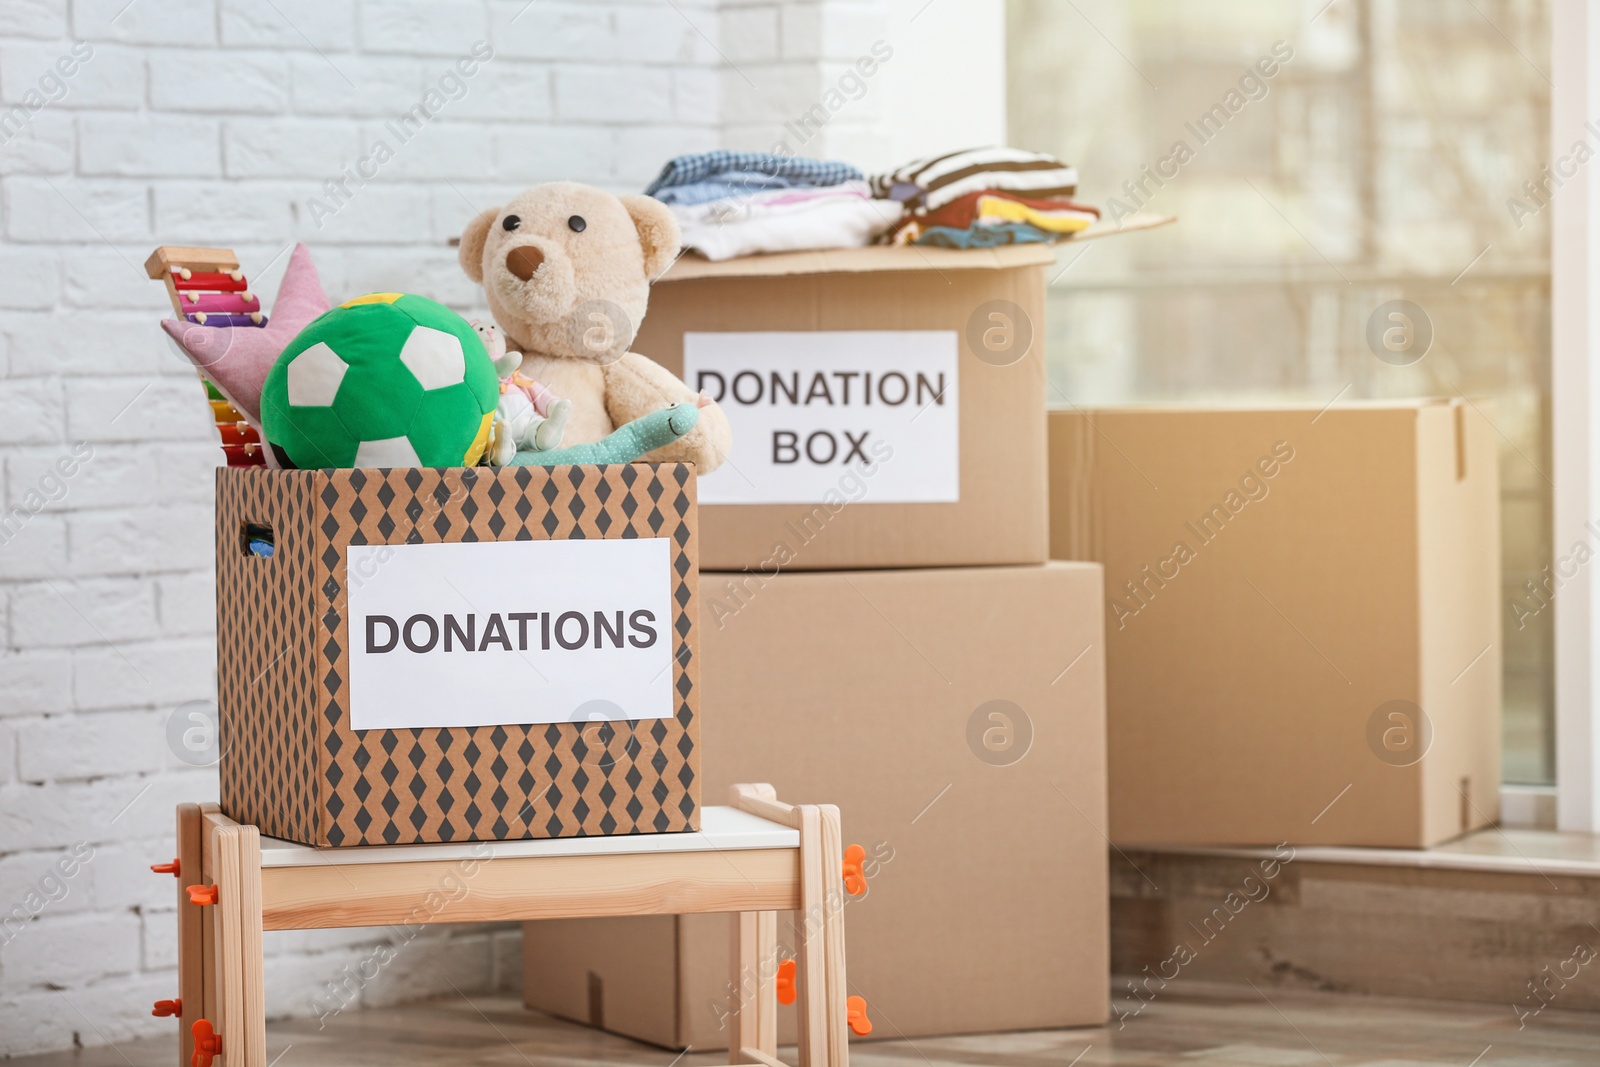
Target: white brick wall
216,122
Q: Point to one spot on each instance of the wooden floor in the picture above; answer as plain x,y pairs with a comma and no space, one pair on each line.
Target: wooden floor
1195,1026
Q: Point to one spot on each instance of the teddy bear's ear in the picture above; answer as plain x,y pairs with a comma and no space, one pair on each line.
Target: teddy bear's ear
658,232
472,239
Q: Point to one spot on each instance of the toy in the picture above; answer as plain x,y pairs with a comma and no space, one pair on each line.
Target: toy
385,380
566,269
206,288
529,415
755,857
648,433
231,357
234,347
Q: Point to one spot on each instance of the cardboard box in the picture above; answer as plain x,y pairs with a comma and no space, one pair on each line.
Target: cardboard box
956,718
458,654
887,404
1285,589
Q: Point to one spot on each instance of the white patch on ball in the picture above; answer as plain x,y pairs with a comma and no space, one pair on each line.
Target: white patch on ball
389,452
314,377
434,358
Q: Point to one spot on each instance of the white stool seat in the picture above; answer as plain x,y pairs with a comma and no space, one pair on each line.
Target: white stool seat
721,829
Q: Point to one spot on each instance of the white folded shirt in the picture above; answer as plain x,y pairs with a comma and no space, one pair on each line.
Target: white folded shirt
786,220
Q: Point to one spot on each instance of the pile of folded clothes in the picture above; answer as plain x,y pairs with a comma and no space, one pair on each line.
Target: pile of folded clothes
741,203
983,197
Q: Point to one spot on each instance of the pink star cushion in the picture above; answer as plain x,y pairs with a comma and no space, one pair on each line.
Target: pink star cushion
236,358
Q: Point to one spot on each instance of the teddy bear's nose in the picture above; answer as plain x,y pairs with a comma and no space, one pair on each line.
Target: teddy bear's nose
523,261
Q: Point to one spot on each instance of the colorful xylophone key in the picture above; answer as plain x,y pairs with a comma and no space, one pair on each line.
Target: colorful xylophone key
215,318
243,302
244,455
210,280
221,410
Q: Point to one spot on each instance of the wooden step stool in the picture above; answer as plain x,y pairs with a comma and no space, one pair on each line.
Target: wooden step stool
757,857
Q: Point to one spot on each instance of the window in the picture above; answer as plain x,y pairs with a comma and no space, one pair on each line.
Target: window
1396,150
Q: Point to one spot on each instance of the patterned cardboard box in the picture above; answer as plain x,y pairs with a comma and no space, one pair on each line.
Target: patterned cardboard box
291,763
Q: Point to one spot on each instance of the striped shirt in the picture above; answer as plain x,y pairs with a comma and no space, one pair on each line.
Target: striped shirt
930,183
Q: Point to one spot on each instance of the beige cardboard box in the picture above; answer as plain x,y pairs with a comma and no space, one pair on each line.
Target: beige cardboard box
1285,588
887,404
956,718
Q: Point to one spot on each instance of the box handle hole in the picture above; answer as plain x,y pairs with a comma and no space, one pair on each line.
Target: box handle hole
257,539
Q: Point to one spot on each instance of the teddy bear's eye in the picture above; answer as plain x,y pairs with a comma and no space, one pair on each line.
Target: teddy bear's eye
511,222
576,224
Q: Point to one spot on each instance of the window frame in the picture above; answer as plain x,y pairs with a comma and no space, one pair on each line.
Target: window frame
1575,412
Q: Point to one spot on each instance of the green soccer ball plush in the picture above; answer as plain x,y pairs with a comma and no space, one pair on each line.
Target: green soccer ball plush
385,380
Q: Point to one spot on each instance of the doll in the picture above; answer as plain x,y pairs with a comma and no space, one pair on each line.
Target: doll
529,417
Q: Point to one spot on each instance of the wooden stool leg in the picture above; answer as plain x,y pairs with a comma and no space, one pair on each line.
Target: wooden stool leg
767,999
811,973
228,935
753,1022
238,933
832,850
211,1000
753,1033
210,949
191,919
250,957
767,952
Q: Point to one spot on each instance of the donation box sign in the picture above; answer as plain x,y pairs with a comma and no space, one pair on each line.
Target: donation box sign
809,407
509,632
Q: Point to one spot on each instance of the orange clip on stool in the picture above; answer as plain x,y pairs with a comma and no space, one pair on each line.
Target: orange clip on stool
201,894
207,1044
855,1007
163,1009
855,875
785,983
165,868
856,1015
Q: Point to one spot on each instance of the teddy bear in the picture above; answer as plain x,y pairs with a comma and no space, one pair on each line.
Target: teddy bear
567,270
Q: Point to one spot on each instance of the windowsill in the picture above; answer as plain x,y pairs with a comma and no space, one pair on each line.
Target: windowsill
1503,851
1528,807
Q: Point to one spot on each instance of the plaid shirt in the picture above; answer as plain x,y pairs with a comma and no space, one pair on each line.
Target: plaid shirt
799,170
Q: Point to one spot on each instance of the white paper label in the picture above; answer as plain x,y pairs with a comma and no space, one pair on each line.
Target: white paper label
817,413
506,632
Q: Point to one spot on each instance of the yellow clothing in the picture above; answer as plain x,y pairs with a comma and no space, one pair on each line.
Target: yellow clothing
992,209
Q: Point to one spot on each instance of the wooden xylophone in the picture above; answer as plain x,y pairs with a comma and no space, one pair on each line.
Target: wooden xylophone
208,289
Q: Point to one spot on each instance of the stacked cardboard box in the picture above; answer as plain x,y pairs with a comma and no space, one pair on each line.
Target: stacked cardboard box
881,630
1303,617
